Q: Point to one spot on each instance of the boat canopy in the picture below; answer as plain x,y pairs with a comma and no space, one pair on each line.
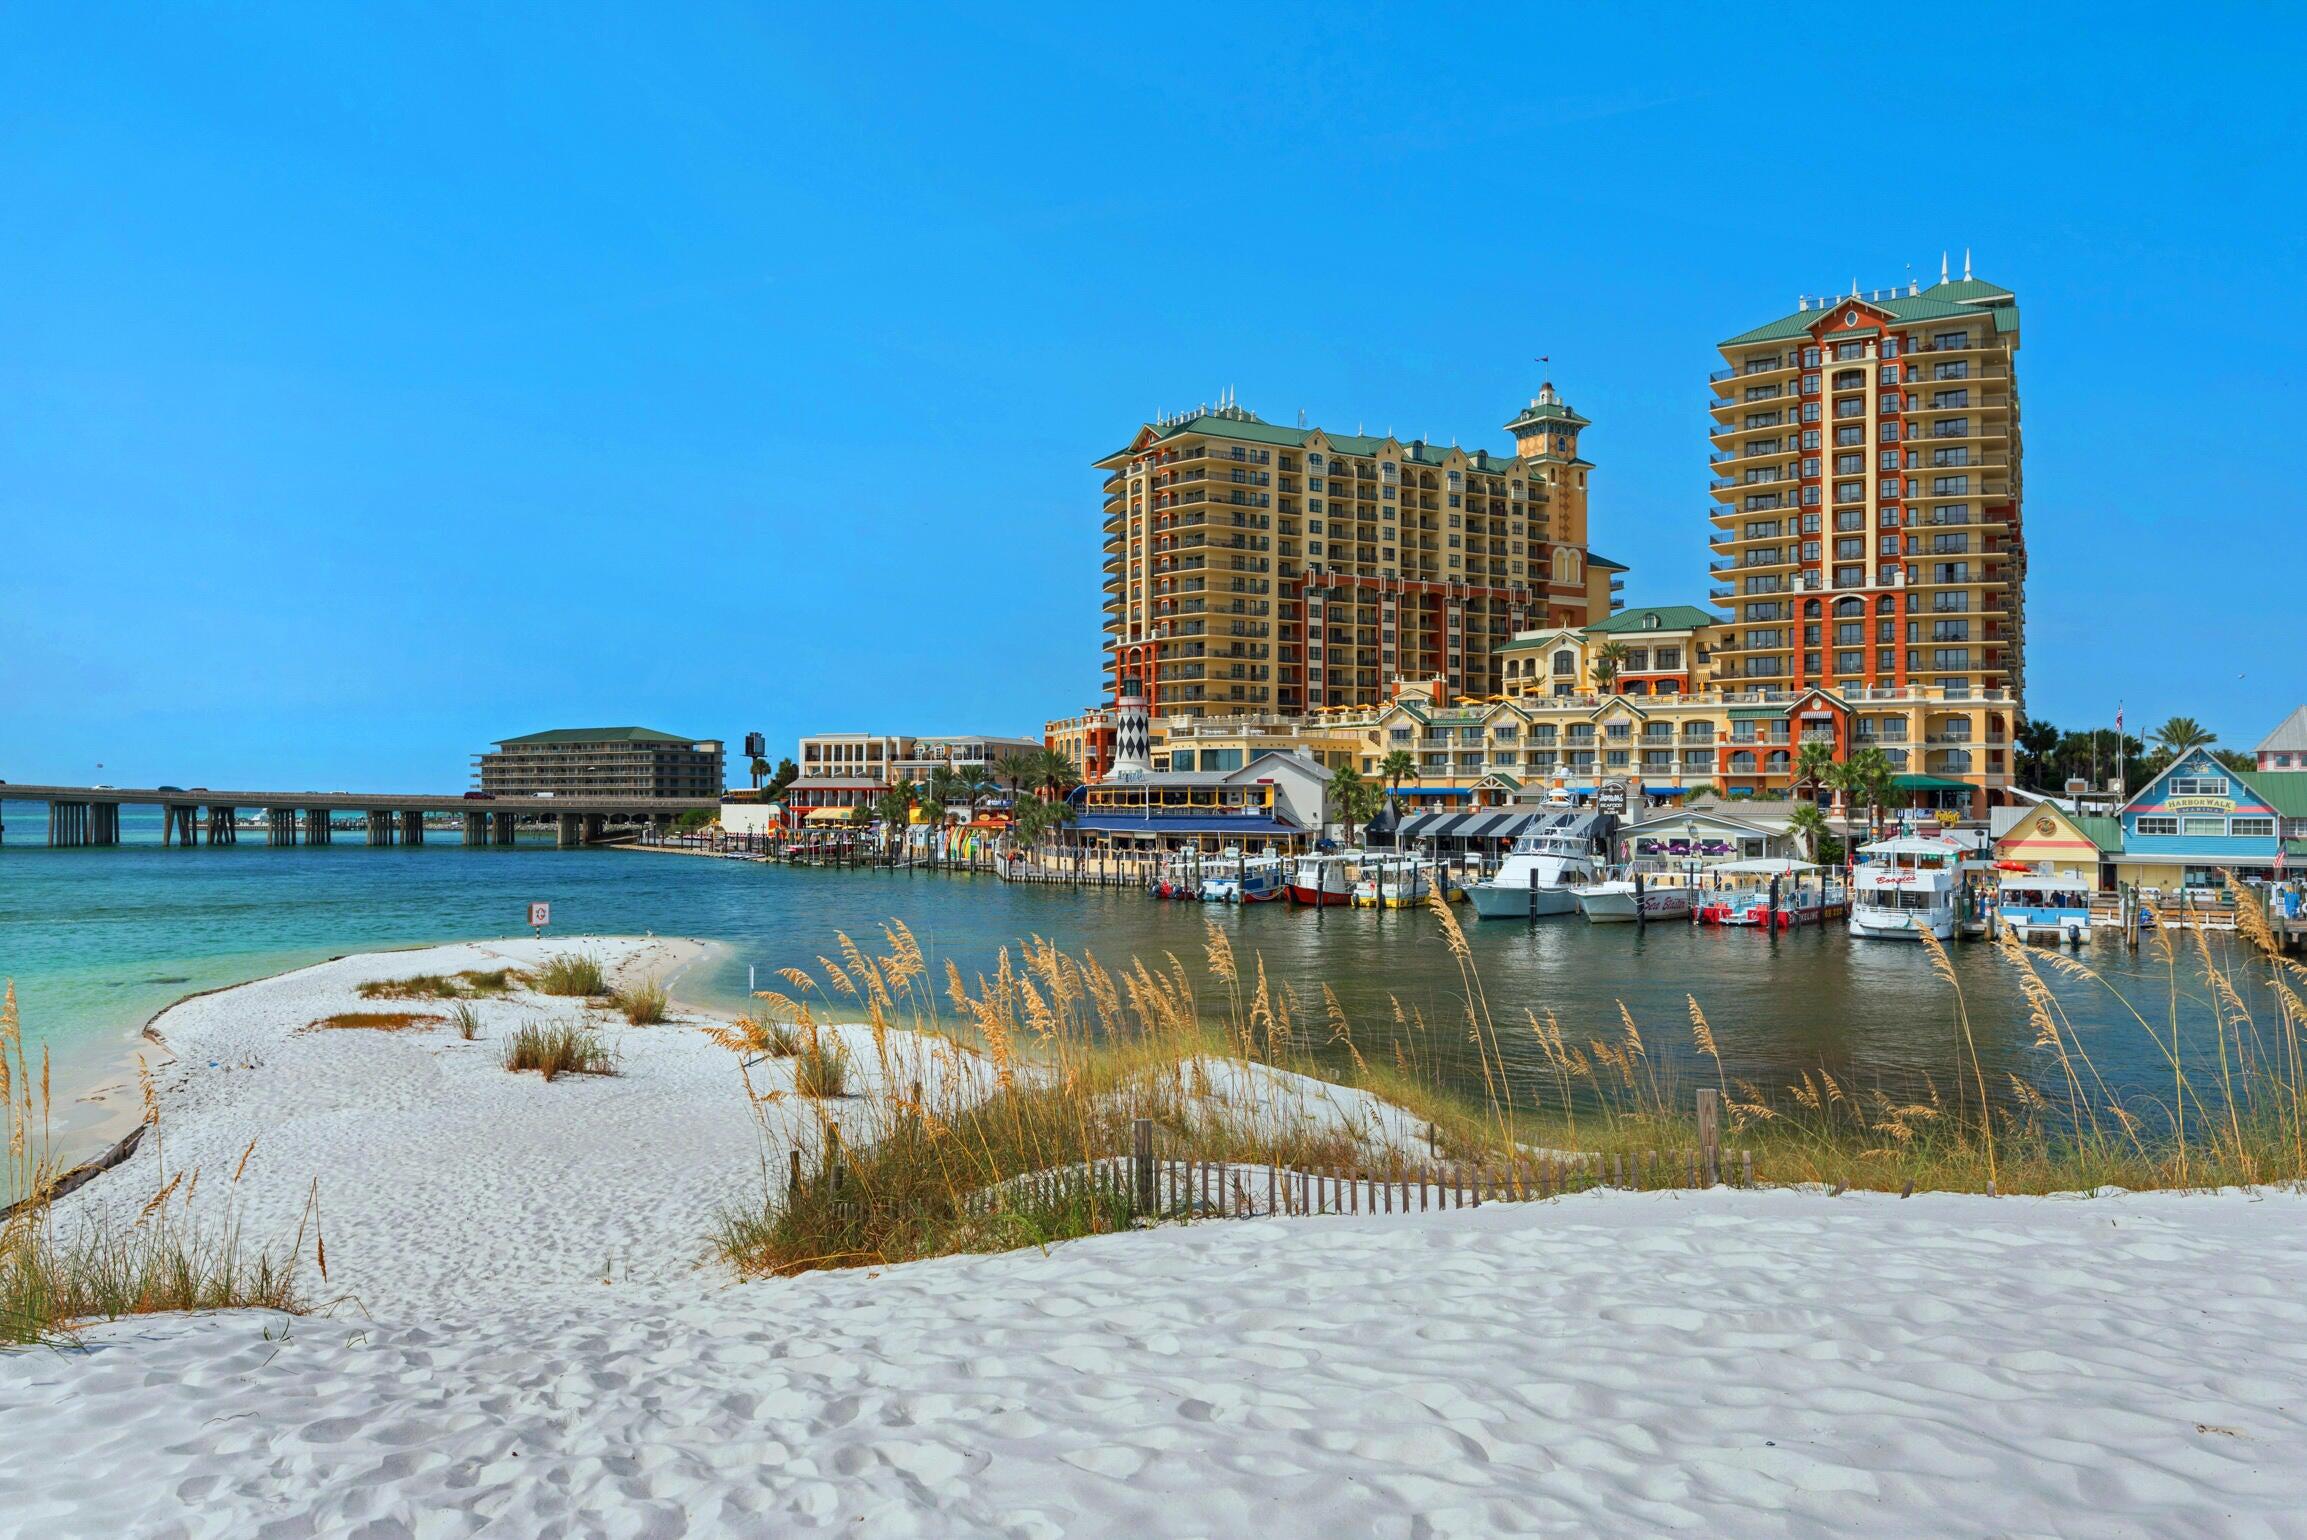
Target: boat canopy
1912,845
1766,866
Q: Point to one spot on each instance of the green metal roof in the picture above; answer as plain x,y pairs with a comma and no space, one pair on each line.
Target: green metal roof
1594,559
1671,617
1929,783
1964,297
1756,713
600,735
2100,830
2284,790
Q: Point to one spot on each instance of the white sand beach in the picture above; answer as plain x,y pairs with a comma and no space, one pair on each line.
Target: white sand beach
537,1340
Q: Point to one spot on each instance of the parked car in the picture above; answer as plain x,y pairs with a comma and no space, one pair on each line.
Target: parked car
177,789
480,796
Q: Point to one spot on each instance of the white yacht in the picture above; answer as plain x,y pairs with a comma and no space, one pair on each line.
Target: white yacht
1904,887
1624,900
1541,874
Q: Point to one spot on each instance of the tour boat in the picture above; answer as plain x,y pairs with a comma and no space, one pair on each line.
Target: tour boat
1619,901
1322,881
1540,874
1390,882
1255,880
1907,887
1180,876
1802,899
2035,907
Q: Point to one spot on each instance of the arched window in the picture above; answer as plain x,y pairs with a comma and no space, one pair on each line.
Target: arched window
1565,663
1778,761
1885,605
1742,762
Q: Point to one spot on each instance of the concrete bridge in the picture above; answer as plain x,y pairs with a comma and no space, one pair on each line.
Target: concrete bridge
90,815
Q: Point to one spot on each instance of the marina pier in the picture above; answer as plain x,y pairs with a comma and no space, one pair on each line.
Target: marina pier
84,816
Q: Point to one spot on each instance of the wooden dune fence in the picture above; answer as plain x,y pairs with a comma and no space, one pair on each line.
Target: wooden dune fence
1153,1183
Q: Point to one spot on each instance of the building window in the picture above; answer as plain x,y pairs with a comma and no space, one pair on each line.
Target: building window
2251,828
2198,786
2157,824
2199,827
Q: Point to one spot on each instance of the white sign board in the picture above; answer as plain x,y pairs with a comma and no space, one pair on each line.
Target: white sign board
540,916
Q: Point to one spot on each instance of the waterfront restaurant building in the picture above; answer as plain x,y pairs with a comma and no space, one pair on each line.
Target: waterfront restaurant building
601,762
1278,800
1251,567
2198,820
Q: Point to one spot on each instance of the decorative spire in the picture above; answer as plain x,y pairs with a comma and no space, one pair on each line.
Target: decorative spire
1966,264
1942,267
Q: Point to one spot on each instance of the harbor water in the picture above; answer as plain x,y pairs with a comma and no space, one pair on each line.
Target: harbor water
99,940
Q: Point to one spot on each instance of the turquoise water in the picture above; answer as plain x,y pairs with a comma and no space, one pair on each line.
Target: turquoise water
98,941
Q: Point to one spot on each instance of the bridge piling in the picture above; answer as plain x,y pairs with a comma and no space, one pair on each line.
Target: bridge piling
316,828
380,827
223,826
476,828
569,830
280,826
412,827
501,828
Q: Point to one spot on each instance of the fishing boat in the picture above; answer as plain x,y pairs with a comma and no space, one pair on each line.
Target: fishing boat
1905,888
1541,873
2034,906
1323,881
1180,876
1254,880
1390,882
1626,899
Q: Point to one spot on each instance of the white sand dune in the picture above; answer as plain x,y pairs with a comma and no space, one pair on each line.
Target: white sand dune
1725,1362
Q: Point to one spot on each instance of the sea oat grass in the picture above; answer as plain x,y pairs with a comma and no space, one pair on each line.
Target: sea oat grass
466,1020
558,1048
952,1150
466,985
162,1260
644,1004
577,974
376,1021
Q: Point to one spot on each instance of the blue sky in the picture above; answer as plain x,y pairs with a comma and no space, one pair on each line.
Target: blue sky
375,382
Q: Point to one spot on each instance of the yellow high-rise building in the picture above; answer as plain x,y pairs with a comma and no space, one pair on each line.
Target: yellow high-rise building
1867,525
1256,568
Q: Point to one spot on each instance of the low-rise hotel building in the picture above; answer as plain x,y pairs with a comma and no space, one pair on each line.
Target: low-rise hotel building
600,762
850,770
1251,567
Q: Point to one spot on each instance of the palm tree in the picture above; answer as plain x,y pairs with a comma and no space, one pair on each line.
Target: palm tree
1016,772
1814,765
1035,820
1869,777
894,807
981,785
2038,743
1807,824
945,788
1055,774
1609,658
1357,800
759,770
2178,735
1398,766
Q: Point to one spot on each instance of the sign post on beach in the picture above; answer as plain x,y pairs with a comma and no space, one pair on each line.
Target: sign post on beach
540,916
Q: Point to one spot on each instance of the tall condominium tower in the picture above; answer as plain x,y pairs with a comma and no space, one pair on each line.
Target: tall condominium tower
1866,514
1255,568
